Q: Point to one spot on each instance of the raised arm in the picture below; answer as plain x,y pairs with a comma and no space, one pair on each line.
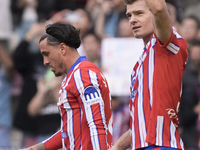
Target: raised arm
161,19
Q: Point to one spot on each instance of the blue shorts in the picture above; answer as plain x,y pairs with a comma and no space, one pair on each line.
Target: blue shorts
157,148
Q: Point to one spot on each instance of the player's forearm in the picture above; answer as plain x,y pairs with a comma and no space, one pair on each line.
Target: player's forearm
123,142
161,19
160,12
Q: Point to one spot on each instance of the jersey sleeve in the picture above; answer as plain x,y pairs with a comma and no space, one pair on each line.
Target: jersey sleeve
88,87
174,44
54,142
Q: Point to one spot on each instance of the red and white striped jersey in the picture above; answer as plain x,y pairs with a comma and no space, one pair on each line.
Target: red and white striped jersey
86,110
156,83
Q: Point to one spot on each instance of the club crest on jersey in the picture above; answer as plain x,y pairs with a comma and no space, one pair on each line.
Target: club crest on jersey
64,135
91,95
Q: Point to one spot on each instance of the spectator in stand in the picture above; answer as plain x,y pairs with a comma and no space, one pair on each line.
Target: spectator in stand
193,9
173,16
189,109
27,12
29,63
195,58
73,4
5,23
108,18
81,20
195,54
24,15
6,75
120,116
92,48
185,4
33,10
93,8
189,29
43,106
123,31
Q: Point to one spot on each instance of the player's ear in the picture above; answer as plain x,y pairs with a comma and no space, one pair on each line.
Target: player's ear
62,48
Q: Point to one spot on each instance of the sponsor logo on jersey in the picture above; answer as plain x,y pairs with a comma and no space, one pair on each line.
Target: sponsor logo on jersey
172,114
133,81
133,93
92,95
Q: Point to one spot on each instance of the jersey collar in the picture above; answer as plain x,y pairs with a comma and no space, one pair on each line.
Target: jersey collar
80,59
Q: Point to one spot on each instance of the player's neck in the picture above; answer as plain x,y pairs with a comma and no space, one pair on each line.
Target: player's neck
71,59
147,38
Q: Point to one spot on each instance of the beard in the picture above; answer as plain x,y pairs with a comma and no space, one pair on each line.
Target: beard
59,73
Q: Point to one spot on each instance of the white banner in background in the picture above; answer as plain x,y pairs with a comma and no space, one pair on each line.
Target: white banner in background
119,56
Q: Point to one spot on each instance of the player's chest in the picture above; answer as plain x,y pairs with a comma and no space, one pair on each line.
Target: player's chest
67,98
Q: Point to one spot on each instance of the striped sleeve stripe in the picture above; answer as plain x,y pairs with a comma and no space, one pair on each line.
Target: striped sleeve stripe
141,118
150,75
70,129
176,34
69,119
132,128
159,130
64,117
69,115
173,142
93,78
81,112
173,48
94,132
182,145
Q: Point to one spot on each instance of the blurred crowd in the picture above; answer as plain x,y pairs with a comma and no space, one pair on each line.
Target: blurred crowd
29,91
